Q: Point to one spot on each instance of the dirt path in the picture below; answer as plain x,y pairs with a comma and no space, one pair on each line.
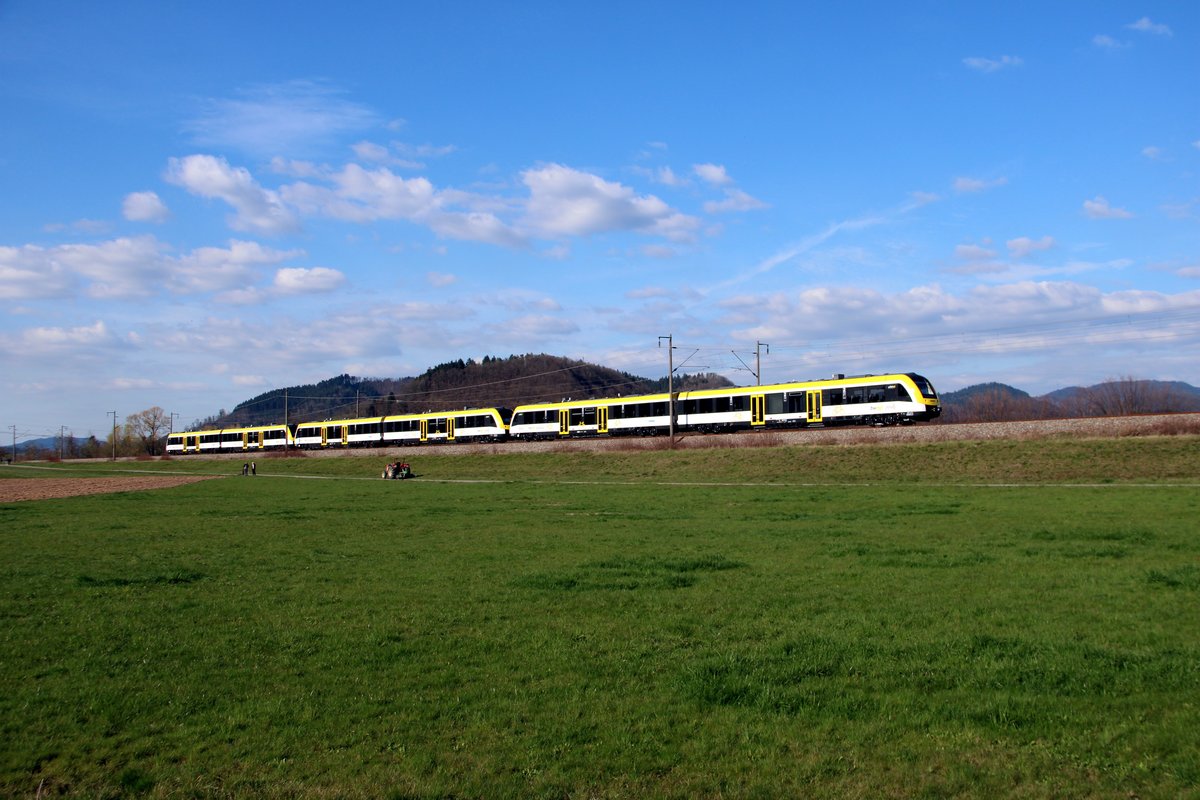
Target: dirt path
15,489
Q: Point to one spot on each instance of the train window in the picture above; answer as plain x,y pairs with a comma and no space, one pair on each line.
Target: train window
924,386
739,403
855,394
875,394
775,403
832,397
583,416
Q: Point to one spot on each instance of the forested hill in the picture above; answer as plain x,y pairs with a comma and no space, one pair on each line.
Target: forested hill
505,382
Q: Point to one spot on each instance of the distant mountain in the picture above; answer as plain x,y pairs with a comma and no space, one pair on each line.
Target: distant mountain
504,382
49,443
997,401
961,396
1128,396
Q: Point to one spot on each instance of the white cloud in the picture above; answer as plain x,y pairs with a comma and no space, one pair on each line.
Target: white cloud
43,341
1154,153
210,269
83,226
144,207
992,64
1145,25
120,268
973,252
965,185
294,280
379,154
667,177
566,202
258,209
1023,245
1106,42
1098,208
31,272
295,117
712,173
735,200
659,251
128,268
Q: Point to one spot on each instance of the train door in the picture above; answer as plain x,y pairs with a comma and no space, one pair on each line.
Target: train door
424,429
814,405
449,429
758,407
245,440
324,436
602,419
564,422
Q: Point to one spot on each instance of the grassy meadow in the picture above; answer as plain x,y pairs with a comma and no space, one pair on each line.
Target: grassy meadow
953,620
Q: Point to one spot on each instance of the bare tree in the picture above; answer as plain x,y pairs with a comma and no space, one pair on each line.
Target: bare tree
149,426
1128,395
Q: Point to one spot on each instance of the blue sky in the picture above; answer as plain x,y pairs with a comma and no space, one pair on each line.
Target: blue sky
204,202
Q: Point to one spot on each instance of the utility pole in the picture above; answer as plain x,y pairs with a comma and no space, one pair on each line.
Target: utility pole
14,430
670,382
62,442
114,435
758,346
172,424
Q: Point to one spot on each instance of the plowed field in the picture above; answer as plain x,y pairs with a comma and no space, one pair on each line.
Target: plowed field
15,489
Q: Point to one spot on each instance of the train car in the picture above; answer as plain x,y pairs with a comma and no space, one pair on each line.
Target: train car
862,399
467,425
642,415
362,432
899,398
230,440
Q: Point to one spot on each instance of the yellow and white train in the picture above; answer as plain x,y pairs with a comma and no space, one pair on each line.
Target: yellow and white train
899,398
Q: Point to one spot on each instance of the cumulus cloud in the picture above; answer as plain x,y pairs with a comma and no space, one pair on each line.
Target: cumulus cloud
129,268
257,209
1098,208
31,272
47,340
144,207
1145,25
1022,246
712,173
210,269
566,202
380,154
296,280
973,252
735,200
992,64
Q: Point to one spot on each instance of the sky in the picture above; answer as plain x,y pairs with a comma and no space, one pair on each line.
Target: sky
204,202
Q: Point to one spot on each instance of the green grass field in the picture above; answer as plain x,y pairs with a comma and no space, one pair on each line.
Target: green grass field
958,620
